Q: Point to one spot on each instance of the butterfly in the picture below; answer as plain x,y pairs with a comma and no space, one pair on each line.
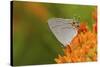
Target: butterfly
64,29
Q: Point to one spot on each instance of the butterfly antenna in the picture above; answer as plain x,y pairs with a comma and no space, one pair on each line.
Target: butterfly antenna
78,19
74,18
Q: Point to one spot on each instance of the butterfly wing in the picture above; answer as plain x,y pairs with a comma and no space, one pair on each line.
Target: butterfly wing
62,29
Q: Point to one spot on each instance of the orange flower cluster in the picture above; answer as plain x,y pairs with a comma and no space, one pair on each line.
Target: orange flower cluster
83,47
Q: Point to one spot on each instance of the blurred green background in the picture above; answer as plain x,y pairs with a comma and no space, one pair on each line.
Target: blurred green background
33,42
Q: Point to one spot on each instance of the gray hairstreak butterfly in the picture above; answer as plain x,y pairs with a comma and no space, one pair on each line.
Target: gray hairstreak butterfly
63,29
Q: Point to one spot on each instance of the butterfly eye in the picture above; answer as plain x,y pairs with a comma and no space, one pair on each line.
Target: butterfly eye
78,26
73,22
